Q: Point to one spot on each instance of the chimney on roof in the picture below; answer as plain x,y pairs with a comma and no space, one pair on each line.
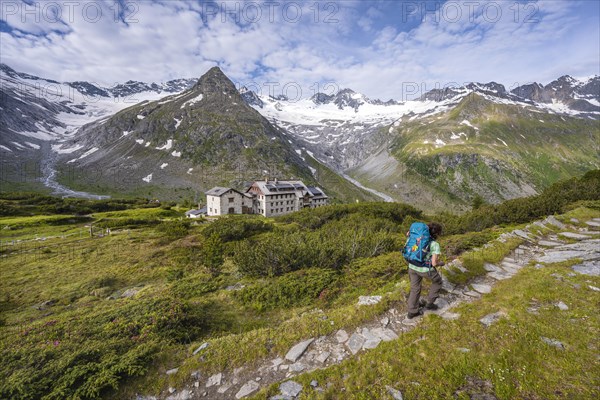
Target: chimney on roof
275,180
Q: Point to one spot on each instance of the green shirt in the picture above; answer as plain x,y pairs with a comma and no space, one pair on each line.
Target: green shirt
434,248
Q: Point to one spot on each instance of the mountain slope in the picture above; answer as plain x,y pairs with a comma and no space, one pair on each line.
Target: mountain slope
204,136
496,151
426,151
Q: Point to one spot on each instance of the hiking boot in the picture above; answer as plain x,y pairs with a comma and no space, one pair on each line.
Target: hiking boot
431,306
422,303
412,315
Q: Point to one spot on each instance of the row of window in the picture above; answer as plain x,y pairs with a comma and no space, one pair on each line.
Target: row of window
280,210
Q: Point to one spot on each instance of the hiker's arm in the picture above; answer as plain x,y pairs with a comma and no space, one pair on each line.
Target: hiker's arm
435,260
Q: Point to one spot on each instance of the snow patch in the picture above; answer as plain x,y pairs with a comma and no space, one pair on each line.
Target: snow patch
5,148
33,145
189,171
58,149
84,155
439,142
503,142
125,133
176,154
193,101
147,179
166,146
139,141
177,122
164,165
141,116
19,145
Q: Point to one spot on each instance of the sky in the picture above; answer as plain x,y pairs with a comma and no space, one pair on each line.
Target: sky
384,49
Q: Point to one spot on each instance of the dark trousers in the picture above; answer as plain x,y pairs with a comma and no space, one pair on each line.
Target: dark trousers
415,287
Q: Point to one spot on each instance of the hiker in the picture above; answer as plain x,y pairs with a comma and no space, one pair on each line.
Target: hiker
427,270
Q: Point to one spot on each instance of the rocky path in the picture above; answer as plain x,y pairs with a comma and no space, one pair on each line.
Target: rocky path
324,351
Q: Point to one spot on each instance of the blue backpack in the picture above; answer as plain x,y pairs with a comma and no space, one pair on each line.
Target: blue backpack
416,249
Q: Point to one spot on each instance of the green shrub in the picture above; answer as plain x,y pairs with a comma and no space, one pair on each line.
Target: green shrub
299,288
231,228
83,356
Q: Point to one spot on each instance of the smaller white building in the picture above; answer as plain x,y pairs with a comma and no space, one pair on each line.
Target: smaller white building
196,213
223,201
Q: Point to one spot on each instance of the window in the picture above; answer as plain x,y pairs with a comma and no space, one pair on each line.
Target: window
231,199
231,210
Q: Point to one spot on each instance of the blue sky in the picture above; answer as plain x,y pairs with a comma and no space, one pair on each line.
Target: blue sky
384,49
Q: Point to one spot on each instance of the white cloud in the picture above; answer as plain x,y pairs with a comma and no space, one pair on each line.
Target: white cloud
372,48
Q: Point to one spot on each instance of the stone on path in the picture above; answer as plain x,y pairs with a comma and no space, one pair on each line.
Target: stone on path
341,336
223,389
172,371
511,267
371,340
549,243
553,221
185,394
323,356
553,342
368,300
593,224
281,397
591,268
472,293
491,319
562,306
355,343
214,380
290,388
448,286
385,334
297,350
248,388
560,256
491,267
442,306
481,288
450,316
522,234
572,235
499,276
297,367
395,393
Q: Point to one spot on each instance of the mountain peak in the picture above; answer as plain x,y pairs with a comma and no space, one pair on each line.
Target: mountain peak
214,81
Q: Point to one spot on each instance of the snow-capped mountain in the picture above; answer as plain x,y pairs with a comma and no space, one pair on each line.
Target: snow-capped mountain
565,95
342,129
35,109
162,135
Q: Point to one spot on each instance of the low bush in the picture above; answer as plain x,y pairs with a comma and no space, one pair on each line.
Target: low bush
299,288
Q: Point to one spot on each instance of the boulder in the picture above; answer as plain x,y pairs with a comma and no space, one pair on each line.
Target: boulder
368,300
297,350
290,388
247,389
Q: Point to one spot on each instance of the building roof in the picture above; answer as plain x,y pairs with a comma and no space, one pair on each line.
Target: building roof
196,212
317,192
220,191
280,187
